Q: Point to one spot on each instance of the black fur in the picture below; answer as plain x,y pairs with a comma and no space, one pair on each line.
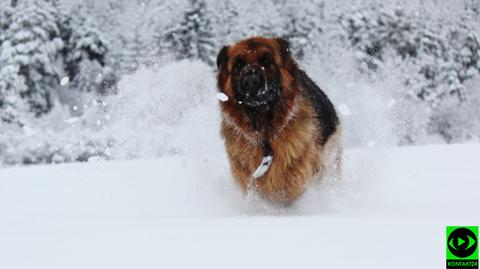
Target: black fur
326,114
267,149
261,117
284,48
272,79
222,57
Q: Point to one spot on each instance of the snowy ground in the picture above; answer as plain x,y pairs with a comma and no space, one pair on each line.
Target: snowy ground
390,212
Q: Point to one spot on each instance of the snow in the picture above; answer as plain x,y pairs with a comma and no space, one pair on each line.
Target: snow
391,103
222,97
176,204
72,120
177,212
64,81
28,130
344,110
371,144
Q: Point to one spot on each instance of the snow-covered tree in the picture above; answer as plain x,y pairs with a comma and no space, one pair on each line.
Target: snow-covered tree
109,18
303,24
374,30
84,52
12,85
31,47
193,37
246,19
134,38
234,20
5,19
444,57
474,7
439,56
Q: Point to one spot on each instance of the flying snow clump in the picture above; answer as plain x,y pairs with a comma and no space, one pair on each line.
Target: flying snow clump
222,97
64,81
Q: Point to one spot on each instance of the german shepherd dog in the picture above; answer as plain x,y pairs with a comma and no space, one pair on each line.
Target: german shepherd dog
280,129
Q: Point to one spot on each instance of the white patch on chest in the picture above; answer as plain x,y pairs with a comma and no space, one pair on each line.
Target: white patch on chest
263,167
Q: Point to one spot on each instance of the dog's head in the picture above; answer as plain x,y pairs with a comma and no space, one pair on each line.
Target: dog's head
255,72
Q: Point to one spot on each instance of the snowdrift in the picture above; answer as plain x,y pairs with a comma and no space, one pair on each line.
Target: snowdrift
390,211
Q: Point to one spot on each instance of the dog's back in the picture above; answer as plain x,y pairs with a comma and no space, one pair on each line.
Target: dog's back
326,114
330,155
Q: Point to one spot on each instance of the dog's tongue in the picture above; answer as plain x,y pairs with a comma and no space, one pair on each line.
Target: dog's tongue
263,167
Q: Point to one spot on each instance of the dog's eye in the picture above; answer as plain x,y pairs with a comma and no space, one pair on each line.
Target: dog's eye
266,60
238,64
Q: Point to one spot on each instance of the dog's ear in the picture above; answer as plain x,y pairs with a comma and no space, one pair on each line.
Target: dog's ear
222,57
284,47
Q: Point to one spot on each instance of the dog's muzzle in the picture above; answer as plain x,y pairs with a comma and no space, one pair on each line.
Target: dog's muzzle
254,89
252,80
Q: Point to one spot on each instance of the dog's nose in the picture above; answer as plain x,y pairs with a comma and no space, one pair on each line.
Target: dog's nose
251,80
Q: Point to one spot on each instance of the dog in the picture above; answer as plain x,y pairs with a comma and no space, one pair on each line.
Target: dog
279,128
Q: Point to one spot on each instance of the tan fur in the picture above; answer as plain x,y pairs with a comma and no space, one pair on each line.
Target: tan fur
299,157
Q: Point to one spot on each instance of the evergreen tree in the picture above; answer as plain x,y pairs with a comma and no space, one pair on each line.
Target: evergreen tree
133,54
108,17
438,58
473,6
134,51
443,56
193,37
29,54
235,20
223,22
85,52
5,19
12,85
303,20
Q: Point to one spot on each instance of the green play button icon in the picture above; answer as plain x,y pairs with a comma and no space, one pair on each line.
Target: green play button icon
462,247
462,242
